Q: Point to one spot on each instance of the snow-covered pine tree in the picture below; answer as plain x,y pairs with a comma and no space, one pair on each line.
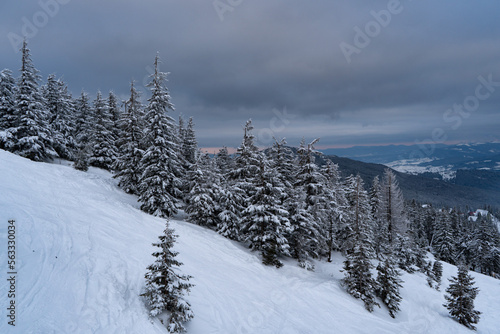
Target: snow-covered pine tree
224,162
388,284
82,159
460,298
391,208
189,143
32,134
129,143
486,246
247,163
230,210
358,279
202,205
437,272
360,226
380,230
443,244
181,131
102,141
84,120
166,286
116,115
265,220
8,119
308,236
159,184
335,206
59,104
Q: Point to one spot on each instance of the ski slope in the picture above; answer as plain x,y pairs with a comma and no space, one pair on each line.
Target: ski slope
83,247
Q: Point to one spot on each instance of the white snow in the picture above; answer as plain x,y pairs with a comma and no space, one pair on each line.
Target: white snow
413,166
83,247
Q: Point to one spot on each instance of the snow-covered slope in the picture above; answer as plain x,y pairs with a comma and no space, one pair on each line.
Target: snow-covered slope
83,246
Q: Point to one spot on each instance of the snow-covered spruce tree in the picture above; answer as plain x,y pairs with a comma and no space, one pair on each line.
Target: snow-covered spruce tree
166,286
308,226
32,134
202,205
224,162
102,141
247,163
358,279
359,216
335,206
189,143
59,104
129,143
159,183
485,255
230,209
391,210
84,120
437,272
82,159
443,244
116,115
380,230
460,299
388,284
265,220
8,119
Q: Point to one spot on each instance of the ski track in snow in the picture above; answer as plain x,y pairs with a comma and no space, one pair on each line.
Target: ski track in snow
83,248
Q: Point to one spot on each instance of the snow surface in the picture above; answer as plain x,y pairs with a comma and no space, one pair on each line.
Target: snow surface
413,166
83,247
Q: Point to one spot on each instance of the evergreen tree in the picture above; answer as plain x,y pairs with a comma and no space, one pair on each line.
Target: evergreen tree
166,286
82,159
223,162
443,243
246,164
32,134
8,120
102,140
391,208
360,226
388,285
460,299
129,143
335,206
202,199
189,144
159,184
358,279
307,217
437,271
265,220
115,113
59,104
84,122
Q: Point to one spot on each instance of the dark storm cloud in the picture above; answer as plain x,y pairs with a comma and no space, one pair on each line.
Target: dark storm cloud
265,56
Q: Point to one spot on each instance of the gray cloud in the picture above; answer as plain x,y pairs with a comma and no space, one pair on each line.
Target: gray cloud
271,55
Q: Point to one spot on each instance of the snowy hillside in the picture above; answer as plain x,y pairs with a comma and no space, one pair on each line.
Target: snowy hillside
83,247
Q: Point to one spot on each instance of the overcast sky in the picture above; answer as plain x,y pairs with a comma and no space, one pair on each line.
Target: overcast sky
350,72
